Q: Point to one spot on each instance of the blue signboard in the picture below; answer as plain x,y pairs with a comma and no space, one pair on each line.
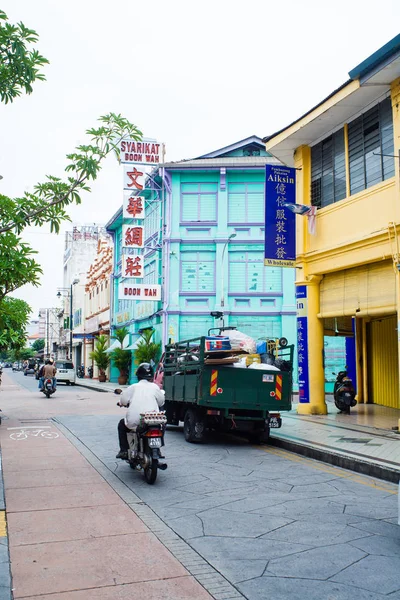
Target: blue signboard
302,344
280,224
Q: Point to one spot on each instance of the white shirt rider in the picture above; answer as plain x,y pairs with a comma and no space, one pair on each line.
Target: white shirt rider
141,397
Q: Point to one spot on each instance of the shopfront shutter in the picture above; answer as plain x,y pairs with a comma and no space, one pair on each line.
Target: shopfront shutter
367,288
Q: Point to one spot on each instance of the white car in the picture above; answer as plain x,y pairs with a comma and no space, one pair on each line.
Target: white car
65,372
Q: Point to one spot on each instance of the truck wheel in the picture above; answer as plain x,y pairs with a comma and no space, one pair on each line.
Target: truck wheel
193,426
259,437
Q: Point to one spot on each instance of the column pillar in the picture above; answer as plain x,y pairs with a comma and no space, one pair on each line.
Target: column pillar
310,346
395,98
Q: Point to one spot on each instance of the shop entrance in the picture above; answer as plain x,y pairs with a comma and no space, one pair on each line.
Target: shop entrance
382,363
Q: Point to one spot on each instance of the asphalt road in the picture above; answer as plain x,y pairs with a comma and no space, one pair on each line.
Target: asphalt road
31,384
274,524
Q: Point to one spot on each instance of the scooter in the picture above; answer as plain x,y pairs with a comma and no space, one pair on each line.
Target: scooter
145,454
90,372
80,372
344,392
48,388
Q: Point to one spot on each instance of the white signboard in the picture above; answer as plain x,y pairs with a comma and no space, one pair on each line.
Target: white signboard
146,152
132,236
132,266
133,206
139,291
134,177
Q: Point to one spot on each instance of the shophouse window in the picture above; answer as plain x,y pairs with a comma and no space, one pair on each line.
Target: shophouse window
247,274
328,170
198,272
152,221
198,202
246,203
150,274
370,139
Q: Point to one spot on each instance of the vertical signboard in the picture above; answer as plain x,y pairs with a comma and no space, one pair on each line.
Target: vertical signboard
302,344
280,224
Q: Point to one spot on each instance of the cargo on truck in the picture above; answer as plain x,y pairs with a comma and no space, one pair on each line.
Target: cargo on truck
213,385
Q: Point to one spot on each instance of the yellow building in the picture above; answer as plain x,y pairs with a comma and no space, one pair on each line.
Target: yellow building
347,152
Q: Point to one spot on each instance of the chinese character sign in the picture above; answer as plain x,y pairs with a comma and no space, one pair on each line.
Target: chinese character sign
133,207
134,177
280,224
133,266
302,344
132,236
144,152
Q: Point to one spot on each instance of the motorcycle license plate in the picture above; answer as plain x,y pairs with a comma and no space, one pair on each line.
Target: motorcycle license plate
274,422
155,442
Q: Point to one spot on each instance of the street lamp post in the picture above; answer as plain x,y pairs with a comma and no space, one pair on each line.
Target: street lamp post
222,270
69,292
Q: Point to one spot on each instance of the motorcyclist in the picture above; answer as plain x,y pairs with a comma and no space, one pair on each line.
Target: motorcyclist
141,397
48,371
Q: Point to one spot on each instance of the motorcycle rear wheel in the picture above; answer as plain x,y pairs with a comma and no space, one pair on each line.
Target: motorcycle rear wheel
150,474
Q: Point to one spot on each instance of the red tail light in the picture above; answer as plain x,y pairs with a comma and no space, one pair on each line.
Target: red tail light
153,433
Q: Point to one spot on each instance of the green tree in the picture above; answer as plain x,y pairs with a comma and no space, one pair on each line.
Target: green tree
147,350
38,345
14,315
20,62
100,356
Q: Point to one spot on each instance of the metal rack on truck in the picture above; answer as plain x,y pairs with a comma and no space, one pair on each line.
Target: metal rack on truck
205,391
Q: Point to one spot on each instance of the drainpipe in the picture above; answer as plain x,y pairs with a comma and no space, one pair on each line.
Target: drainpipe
166,253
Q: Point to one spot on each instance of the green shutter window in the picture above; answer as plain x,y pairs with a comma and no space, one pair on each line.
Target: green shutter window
247,274
198,272
328,171
199,202
246,203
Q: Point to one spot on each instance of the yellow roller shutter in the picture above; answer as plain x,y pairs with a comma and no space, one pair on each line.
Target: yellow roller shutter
383,374
362,289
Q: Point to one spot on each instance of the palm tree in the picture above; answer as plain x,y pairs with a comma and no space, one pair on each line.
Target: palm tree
120,357
100,356
146,351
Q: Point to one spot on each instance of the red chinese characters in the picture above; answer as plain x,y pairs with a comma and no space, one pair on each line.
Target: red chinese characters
135,178
133,266
132,237
135,206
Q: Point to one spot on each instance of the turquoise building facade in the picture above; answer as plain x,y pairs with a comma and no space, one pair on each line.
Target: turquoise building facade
204,243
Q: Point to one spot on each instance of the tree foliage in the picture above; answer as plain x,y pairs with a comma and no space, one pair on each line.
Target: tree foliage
14,315
99,354
49,200
20,62
147,350
38,345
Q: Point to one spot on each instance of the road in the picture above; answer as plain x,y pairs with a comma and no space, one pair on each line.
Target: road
274,524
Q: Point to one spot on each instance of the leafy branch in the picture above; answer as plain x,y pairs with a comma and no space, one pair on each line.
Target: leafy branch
20,64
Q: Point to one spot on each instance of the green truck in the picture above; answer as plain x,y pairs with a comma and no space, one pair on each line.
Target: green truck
205,392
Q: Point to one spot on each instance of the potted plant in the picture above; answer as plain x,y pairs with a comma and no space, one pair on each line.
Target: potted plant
146,350
120,357
100,356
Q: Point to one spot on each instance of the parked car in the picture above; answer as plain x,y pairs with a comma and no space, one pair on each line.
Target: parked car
29,369
65,372
7,365
16,366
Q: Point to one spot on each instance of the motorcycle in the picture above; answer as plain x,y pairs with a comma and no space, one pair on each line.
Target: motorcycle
146,453
90,372
81,372
344,392
48,388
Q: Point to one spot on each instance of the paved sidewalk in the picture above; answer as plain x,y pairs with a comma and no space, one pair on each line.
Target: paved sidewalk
94,384
71,536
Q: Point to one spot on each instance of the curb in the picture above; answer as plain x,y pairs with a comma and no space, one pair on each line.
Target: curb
339,460
5,566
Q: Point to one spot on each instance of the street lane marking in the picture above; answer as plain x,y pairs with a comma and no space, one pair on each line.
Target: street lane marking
3,524
30,427
336,471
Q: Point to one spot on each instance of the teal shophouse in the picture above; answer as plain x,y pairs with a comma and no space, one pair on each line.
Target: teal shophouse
204,244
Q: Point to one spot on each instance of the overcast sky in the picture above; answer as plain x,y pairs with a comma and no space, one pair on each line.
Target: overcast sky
195,75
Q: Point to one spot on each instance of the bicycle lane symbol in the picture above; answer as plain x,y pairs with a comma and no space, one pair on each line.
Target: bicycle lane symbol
22,433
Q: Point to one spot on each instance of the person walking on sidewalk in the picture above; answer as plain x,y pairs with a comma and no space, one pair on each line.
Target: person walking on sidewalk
141,397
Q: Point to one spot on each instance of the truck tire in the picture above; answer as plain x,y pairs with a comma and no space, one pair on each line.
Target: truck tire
259,437
194,426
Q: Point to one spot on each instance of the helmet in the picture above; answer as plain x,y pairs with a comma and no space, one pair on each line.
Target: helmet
145,371
51,361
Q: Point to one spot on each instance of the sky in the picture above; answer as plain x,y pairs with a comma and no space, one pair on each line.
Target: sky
195,75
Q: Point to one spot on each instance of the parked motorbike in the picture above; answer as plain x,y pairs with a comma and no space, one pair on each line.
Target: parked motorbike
90,372
81,372
344,392
48,388
146,454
